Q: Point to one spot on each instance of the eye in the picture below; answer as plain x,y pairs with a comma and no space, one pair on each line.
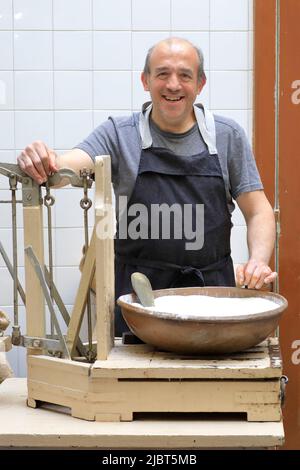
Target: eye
185,76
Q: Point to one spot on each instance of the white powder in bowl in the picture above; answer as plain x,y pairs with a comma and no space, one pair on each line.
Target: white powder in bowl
184,306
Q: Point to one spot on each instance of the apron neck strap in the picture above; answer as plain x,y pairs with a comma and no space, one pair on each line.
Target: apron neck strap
204,118
207,127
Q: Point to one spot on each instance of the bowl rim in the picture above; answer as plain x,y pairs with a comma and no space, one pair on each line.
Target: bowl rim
122,301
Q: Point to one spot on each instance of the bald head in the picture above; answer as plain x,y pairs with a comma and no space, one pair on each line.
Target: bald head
176,44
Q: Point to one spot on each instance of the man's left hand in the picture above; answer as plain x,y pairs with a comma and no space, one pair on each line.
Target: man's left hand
254,274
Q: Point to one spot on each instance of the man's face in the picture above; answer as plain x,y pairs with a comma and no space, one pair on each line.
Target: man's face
173,85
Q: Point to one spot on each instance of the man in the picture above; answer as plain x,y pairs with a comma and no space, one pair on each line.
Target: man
175,152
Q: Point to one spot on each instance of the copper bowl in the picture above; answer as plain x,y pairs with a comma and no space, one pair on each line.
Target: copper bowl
205,335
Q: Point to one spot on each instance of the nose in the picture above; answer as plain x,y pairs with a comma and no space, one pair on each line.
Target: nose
173,83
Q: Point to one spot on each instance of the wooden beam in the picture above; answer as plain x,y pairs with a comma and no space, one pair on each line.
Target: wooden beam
35,302
104,217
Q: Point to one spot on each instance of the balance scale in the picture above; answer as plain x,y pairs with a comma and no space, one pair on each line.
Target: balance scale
127,379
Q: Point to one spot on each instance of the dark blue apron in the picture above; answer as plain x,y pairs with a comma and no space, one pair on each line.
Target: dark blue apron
164,177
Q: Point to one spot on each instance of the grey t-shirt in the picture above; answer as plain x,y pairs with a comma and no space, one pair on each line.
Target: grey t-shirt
186,143
120,137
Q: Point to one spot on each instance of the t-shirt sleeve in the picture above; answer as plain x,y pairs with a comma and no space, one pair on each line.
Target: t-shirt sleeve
243,173
103,141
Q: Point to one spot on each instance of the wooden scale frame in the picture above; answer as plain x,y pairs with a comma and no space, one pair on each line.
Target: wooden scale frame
129,379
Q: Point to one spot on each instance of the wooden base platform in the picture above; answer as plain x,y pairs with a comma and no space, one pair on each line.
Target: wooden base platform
139,379
23,427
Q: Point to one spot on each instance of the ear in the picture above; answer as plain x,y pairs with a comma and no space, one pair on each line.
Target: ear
201,84
145,80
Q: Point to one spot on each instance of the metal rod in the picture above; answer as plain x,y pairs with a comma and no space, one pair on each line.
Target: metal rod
88,303
9,201
277,108
61,306
39,272
49,201
13,187
85,204
11,272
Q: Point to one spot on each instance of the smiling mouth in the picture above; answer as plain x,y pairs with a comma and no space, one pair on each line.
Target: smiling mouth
173,99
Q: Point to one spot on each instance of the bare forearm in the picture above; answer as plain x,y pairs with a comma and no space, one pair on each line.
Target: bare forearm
261,236
75,159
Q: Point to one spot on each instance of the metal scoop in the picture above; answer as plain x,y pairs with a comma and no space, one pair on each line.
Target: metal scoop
143,289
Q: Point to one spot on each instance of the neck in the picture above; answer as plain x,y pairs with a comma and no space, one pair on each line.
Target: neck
174,127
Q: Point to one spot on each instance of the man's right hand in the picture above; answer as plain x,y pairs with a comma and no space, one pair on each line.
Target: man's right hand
38,161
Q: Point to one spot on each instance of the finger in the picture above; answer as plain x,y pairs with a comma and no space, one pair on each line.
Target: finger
270,278
28,167
248,272
254,278
240,274
265,272
41,151
33,152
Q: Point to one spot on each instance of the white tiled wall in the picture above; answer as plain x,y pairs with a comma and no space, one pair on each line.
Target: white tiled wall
65,65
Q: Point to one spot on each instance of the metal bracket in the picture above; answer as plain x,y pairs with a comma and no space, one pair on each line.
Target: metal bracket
12,169
277,221
16,335
48,344
70,175
31,194
283,381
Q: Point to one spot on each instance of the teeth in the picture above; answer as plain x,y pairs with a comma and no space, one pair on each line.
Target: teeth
173,99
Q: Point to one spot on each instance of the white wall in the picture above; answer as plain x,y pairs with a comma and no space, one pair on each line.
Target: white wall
65,65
